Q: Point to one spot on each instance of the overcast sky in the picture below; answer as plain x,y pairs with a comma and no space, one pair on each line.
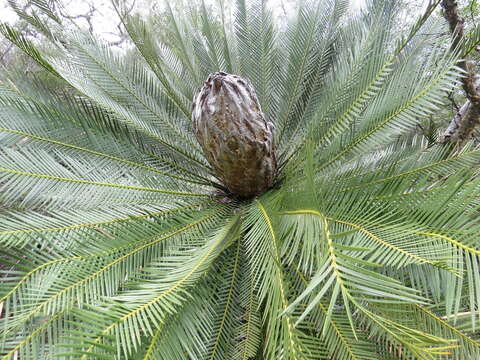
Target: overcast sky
105,18
105,12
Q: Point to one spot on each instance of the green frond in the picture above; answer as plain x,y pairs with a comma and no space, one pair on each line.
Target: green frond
26,46
68,229
357,69
468,347
226,306
82,279
52,179
263,251
418,100
339,338
350,275
179,335
27,119
118,91
258,53
149,301
248,332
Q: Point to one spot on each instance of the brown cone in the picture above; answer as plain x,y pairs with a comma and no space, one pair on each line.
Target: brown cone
234,135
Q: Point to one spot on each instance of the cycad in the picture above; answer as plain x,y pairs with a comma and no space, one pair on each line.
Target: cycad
122,242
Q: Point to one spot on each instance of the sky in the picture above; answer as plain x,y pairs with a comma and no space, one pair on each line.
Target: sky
105,19
76,7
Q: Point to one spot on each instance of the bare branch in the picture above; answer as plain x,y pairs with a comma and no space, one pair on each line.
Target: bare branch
11,45
461,127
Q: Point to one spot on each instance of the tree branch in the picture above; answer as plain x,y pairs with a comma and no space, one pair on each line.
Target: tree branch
463,124
11,45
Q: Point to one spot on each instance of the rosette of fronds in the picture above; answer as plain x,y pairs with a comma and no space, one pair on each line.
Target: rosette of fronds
120,240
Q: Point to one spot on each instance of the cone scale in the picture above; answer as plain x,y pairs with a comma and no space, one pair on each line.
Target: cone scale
235,137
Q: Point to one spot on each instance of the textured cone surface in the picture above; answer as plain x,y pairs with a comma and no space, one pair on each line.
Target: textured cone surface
234,135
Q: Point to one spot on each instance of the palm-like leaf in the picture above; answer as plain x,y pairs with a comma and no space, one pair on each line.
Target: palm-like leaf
119,242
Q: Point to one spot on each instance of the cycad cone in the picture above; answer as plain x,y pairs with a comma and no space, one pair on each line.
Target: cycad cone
234,135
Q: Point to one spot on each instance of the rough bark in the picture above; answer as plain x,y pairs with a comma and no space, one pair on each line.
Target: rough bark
235,137
463,124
